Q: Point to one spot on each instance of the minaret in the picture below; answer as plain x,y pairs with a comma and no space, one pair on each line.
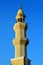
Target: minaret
20,42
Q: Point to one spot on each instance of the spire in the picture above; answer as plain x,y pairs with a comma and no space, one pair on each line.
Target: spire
21,6
20,13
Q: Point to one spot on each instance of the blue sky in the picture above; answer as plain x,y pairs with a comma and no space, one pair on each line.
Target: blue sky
33,10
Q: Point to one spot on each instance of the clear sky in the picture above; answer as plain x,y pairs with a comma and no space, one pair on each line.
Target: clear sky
33,10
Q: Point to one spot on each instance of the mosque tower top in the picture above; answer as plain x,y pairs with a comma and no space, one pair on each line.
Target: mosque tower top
20,16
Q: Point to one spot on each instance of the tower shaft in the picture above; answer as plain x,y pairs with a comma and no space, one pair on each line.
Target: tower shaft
20,39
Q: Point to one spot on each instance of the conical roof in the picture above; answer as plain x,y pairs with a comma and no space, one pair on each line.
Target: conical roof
20,13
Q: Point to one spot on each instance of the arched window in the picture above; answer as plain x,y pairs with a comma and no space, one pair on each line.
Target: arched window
20,19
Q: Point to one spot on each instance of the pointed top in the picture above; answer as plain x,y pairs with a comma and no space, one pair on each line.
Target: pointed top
20,13
21,6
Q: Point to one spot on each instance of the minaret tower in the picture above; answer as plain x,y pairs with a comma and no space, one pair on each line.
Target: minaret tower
20,42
